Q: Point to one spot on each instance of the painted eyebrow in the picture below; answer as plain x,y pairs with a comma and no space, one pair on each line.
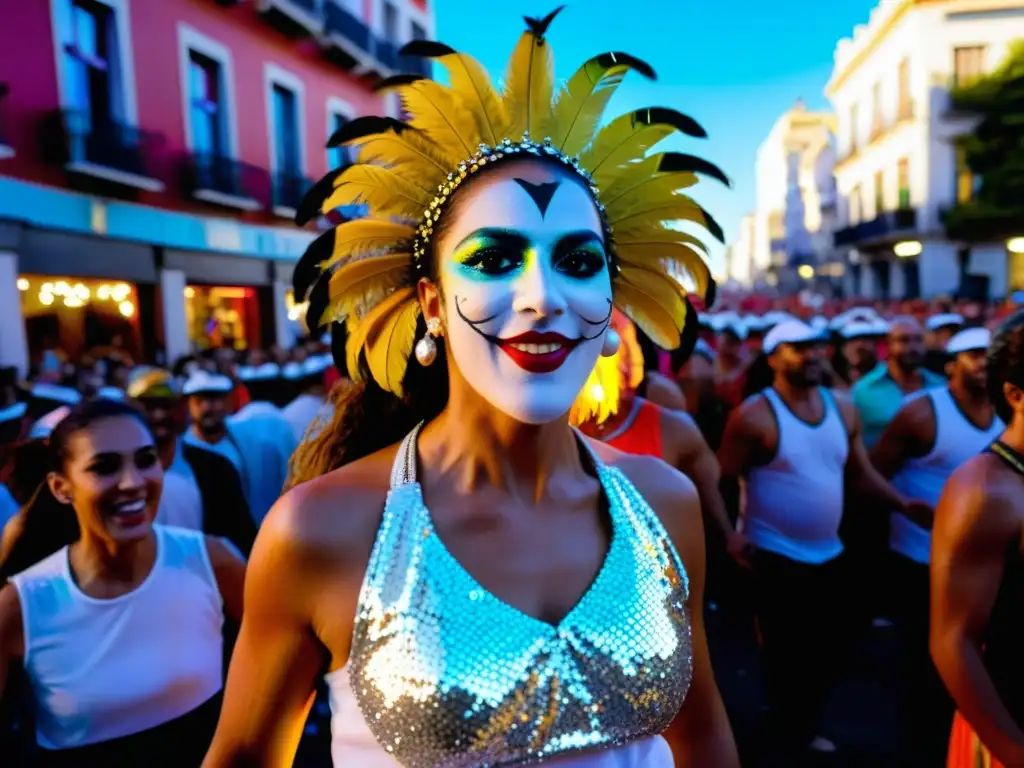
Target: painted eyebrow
578,239
504,236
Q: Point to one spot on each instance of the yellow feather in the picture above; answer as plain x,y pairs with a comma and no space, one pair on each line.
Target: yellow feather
640,221
421,156
470,80
529,88
362,237
654,302
664,255
662,189
579,107
389,342
656,234
357,281
359,328
443,117
383,190
622,141
643,172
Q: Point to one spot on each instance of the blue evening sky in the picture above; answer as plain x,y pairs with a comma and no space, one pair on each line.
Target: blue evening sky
734,65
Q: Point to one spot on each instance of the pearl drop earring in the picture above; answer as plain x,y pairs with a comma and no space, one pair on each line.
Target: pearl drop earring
611,343
426,347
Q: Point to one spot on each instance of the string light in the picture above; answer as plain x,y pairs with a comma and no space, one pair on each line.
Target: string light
23,284
126,308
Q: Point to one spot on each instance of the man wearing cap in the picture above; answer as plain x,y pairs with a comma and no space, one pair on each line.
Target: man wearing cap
310,406
794,445
941,328
258,446
202,489
858,349
931,436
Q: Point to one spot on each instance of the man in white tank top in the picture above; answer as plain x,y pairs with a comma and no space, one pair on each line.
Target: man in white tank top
793,445
932,435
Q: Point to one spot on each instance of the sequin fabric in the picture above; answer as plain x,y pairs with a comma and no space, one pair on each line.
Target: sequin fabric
446,675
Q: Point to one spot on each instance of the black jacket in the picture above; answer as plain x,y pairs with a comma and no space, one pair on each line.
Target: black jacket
225,510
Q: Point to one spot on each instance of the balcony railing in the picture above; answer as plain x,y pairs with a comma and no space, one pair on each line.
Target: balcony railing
6,150
297,18
288,191
346,38
225,181
886,226
108,150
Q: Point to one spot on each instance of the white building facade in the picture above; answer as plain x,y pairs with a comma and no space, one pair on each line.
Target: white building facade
740,263
793,182
898,168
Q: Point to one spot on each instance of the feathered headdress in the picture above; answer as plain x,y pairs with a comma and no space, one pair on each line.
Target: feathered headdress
363,272
611,378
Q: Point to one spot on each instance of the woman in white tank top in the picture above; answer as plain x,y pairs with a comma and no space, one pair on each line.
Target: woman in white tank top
119,634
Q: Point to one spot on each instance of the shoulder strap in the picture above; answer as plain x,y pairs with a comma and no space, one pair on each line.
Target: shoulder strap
588,449
403,471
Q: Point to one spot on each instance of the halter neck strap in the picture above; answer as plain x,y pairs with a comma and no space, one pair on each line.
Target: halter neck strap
403,471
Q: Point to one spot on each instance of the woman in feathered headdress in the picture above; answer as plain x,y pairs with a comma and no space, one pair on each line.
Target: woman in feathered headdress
547,607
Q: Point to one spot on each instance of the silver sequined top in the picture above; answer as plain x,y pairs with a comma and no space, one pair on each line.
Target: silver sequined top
446,675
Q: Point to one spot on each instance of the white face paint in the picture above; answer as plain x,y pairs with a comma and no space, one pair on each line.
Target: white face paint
527,290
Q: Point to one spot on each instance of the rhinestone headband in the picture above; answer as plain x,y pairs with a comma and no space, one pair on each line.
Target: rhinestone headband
487,155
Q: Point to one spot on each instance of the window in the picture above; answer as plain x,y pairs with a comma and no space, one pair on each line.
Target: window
879,193
876,110
903,182
964,178
390,21
208,103
337,157
854,128
287,160
968,65
206,107
418,32
856,210
906,109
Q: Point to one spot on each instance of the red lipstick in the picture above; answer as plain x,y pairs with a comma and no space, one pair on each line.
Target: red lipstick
537,352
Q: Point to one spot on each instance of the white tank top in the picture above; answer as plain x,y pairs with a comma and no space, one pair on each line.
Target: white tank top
102,669
795,501
956,440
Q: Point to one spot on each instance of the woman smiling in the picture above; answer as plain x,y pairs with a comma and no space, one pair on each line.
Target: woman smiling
120,632
483,585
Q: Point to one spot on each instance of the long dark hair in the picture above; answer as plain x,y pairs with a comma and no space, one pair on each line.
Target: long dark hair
1005,362
46,524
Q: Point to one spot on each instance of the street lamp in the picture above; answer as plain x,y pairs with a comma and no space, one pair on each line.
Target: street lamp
908,248
1015,245
806,271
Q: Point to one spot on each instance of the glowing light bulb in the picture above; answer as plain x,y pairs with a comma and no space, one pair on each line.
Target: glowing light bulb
23,284
82,292
189,291
62,288
126,308
46,288
46,299
806,271
1015,245
120,292
103,292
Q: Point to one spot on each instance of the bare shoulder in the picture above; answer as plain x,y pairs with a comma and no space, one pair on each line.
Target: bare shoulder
12,638
222,552
333,516
752,414
670,493
980,499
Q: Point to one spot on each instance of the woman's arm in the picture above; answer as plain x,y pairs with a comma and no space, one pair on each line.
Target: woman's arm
278,657
700,735
229,570
975,524
12,638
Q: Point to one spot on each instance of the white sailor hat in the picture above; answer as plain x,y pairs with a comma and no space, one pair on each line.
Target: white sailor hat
42,429
44,390
945,320
291,371
206,383
818,322
12,412
110,393
790,332
969,340
315,365
861,329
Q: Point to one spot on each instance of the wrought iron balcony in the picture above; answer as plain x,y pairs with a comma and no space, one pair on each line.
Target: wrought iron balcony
297,18
346,39
288,191
102,148
225,181
888,226
6,150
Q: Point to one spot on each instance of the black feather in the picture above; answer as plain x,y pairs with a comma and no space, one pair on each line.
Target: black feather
310,206
397,81
362,127
677,162
539,27
339,337
319,298
427,49
710,294
713,227
307,270
637,65
688,337
665,116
